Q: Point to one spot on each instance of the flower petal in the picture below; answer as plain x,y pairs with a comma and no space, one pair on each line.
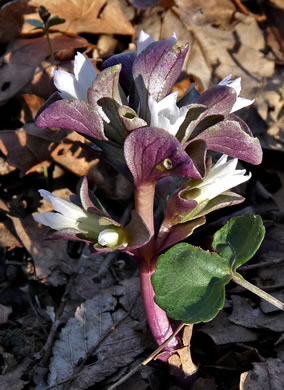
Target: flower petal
63,206
165,114
55,221
144,40
65,83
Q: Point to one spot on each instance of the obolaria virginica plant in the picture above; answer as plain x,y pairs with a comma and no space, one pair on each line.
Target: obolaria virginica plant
161,145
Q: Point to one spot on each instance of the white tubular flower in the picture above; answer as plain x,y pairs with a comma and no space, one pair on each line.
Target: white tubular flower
144,40
76,86
68,216
221,177
165,114
236,85
108,237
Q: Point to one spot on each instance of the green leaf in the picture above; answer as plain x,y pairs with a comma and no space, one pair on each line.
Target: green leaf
190,283
239,239
54,21
36,23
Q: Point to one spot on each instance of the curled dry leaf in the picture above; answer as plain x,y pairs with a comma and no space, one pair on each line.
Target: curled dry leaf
244,314
31,147
263,376
13,379
22,57
239,47
89,16
82,337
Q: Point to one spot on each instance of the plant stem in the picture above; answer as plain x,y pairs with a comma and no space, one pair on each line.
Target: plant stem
52,59
237,278
157,318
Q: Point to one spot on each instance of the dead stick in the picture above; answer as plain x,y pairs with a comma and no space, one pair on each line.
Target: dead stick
146,361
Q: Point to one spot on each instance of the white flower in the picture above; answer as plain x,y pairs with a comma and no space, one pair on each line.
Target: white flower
221,177
165,114
76,86
144,40
236,85
109,237
68,216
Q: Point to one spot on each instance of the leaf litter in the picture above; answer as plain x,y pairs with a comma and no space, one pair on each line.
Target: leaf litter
102,295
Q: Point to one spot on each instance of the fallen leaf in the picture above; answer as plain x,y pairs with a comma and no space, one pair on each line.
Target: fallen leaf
227,51
13,379
264,376
22,57
32,147
246,315
223,332
83,335
5,311
11,20
8,239
88,16
51,260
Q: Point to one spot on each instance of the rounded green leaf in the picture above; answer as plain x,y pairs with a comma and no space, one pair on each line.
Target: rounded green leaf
239,239
189,283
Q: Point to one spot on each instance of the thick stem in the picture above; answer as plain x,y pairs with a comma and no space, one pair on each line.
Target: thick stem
157,318
237,278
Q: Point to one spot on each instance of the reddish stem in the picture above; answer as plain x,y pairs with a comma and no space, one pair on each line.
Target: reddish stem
157,318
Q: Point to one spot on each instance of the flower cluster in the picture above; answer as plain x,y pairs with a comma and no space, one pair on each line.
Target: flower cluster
129,111
161,144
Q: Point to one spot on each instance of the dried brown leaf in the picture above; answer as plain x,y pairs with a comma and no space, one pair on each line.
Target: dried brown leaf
31,147
8,239
12,19
22,57
5,311
263,376
246,315
83,334
50,257
223,332
13,379
88,16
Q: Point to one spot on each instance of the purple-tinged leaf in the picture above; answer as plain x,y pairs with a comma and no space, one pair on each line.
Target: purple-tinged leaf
226,199
106,96
52,98
243,124
177,208
74,115
229,138
137,232
153,153
126,60
194,113
156,70
177,233
130,119
219,99
197,151
89,201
